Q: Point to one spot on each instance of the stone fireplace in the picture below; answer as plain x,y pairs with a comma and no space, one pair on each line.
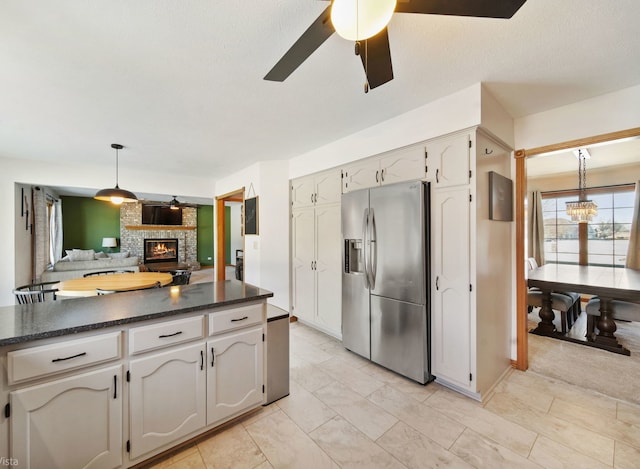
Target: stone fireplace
133,234
160,250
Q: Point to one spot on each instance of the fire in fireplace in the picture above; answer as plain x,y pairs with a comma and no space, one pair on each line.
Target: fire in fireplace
160,250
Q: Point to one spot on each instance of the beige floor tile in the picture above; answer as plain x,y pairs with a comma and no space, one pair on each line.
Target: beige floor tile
192,460
552,455
309,334
350,448
264,465
351,377
569,434
230,449
307,375
483,453
594,420
257,414
361,413
300,347
286,445
336,349
305,409
428,421
407,386
172,459
626,457
471,414
532,394
416,451
629,413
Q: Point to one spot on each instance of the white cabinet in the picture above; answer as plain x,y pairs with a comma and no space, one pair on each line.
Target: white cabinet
235,380
403,164
167,397
316,189
450,332
315,252
69,422
471,265
448,160
316,267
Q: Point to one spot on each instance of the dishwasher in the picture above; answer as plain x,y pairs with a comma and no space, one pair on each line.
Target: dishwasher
277,354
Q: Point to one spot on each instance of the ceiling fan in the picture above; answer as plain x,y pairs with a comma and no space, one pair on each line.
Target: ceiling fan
374,50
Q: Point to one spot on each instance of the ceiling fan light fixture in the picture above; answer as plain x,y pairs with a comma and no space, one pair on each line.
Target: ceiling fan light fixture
356,20
116,195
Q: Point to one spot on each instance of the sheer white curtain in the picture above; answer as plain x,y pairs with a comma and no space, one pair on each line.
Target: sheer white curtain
536,228
633,251
55,232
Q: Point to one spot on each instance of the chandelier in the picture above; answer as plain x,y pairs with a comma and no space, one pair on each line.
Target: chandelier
582,210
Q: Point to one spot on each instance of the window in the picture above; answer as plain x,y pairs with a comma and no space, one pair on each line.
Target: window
607,234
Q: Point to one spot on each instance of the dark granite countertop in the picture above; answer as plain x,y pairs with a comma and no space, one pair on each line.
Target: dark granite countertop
24,323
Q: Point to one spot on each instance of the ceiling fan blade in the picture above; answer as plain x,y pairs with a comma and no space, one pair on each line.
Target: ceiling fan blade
319,31
376,59
479,8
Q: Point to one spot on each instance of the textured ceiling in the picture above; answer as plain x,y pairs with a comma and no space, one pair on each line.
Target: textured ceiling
179,82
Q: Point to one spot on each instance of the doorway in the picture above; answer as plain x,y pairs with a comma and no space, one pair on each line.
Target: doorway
522,360
230,239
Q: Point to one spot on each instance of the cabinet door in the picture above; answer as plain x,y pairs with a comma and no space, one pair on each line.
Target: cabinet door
302,258
235,374
361,175
69,423
328,187
166,397
448,160
403,165
302,192
329,269
451,320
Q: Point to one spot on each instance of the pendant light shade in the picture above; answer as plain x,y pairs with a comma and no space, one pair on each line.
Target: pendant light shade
582,210
116,195
356,20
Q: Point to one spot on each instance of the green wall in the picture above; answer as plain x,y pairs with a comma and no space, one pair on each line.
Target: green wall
86,221
205,235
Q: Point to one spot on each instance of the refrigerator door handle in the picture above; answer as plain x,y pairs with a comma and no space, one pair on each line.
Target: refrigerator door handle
365,229
373,255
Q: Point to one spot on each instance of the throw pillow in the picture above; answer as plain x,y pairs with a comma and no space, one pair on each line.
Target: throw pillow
81,254
101,255
118,255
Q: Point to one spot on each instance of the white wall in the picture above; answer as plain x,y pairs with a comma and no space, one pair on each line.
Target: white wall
266,255
611,112
76,175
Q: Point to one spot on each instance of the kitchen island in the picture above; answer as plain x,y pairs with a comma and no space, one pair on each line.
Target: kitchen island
113,380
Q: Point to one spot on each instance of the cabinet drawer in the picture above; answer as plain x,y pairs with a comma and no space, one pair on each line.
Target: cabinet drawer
165,334
45,360
235,318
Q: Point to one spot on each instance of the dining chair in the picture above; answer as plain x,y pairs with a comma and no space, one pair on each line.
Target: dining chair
180,277
101,291
107,272
621,310
35,292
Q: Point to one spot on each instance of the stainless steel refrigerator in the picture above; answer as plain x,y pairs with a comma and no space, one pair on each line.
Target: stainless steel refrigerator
385,277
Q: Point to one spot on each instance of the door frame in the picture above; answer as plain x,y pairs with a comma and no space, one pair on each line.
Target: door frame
234,196
522,344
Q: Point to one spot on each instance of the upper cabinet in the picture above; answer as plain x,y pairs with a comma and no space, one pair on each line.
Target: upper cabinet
448,160
316,189
403,164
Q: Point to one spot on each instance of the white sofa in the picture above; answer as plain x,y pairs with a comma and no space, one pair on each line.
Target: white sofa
75,264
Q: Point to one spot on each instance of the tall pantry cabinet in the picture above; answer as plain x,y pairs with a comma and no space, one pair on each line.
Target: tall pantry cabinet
471,263
316,252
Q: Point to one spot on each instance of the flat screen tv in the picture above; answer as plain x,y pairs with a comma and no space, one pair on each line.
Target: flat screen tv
160,215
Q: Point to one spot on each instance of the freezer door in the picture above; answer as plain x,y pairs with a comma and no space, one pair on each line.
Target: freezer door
355,293
398,240
399,337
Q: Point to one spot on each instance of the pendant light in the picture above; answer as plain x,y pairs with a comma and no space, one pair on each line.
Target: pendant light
116,195
582,210
357,20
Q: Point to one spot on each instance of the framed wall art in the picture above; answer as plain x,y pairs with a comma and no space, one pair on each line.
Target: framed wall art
251,216
500,197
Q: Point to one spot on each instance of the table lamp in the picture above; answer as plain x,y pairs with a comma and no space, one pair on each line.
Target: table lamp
109,243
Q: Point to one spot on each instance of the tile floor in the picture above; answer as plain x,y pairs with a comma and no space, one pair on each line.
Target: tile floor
344,411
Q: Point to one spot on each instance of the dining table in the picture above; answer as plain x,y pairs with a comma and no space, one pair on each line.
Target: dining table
608,283
89,286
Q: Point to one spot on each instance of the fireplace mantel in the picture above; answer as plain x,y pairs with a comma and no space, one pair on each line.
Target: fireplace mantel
159,227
